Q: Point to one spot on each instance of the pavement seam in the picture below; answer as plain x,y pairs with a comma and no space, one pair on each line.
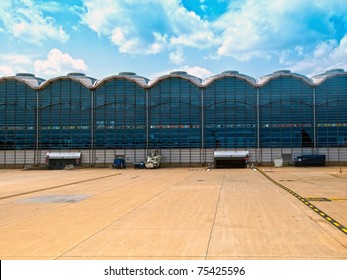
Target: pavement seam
55,187
48,210
215,216
95,233
318,211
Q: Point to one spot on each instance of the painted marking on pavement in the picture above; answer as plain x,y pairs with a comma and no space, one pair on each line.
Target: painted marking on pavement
306,202
59,186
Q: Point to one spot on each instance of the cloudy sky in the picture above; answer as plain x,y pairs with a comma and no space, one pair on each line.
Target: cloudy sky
154,37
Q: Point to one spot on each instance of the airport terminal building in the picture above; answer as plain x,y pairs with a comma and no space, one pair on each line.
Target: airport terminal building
279,116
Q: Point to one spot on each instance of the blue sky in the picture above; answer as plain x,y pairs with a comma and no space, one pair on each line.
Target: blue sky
154,37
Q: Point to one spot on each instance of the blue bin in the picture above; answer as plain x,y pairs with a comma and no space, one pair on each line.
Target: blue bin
119,163
310,160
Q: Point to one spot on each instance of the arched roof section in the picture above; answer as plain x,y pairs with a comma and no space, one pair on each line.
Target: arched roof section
130,76
321,78
78,77
231,74
283,73
29,79
177,74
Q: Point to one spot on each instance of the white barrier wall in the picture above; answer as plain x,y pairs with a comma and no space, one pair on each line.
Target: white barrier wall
16,158
171,157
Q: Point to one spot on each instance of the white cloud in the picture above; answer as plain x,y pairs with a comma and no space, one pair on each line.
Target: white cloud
59,63
25,21
324,48
133,45
327,55
49,6
270,30
11,63
196,71
300,50
6,71
340,52
189,29
339,65
159,44
177,57
198,39
148,26
264,28
56,64
15,59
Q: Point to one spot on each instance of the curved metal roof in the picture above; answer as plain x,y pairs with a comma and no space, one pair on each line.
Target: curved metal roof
131,76
265,79
78,77
181,74
320,78
230,73
27,78
89,82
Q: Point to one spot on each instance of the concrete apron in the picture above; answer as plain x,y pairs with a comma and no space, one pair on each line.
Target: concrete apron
158,214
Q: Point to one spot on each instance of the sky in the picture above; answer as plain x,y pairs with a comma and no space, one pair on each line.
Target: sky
155,37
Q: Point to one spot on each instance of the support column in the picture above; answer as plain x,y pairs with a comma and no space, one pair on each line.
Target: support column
258,126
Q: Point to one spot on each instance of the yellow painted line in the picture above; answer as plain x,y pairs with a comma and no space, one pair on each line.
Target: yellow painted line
59,186
304,200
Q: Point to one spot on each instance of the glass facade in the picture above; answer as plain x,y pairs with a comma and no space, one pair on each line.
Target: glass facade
230,115
331,112
120,114
286,112
174,114
17,115
176,111
65,115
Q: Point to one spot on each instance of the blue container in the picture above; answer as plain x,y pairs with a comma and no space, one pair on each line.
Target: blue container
139,165
310,160
119,163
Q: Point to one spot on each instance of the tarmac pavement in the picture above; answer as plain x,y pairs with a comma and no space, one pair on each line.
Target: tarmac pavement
172,213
